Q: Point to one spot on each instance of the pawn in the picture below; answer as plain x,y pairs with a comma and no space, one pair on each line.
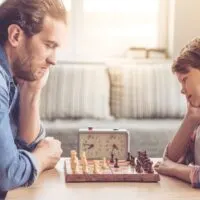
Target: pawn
128,157
104,165
112,158
116,163
85,166
132,161
96,167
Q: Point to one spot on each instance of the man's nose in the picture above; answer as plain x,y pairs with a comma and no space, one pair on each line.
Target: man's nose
52,59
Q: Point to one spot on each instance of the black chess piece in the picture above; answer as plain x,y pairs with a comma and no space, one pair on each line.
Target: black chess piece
128,157
112,158
116,163
132,162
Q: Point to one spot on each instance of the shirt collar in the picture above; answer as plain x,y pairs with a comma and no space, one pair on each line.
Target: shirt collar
4,63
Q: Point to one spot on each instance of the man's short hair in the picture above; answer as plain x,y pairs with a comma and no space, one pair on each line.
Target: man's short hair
189,57
29,15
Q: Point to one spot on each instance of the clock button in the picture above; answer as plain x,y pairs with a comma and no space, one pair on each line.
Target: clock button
115,129
90,128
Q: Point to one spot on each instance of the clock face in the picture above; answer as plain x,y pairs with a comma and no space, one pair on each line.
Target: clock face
100,143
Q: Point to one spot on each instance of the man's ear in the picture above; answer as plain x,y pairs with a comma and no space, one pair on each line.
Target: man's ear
15,34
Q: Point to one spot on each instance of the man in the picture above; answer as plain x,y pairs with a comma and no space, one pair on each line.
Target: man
30,32
182,156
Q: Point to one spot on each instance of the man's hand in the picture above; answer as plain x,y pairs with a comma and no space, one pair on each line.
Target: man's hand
33,86
48,153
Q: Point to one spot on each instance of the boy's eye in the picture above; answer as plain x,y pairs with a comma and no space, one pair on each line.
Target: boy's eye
184,79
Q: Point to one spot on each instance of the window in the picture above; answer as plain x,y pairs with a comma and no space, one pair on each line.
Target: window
100,29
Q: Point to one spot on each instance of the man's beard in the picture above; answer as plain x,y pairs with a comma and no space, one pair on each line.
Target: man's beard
22,66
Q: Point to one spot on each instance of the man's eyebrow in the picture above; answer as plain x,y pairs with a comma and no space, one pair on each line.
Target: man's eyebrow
55,44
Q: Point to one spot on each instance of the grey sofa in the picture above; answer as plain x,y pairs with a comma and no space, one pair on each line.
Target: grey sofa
143,98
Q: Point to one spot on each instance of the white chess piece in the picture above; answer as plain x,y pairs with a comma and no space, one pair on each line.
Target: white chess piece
74,162
104,165
96,167
85,166
84,163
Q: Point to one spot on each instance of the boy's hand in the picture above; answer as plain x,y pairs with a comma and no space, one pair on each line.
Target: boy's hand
193,114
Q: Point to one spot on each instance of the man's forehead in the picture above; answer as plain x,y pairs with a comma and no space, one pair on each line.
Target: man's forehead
54,30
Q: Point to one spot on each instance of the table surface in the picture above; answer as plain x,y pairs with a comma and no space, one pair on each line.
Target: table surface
51,185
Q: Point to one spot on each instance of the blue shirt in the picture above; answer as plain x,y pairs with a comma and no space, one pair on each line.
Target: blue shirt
18,167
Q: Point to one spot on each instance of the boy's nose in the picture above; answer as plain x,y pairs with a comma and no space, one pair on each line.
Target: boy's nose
182,91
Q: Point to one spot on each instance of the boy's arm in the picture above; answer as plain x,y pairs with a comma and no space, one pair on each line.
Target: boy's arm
178,146
190,174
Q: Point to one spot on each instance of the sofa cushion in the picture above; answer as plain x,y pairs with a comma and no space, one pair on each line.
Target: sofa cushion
145,91
76,91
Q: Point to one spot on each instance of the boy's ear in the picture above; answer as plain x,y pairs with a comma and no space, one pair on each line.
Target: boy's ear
14,35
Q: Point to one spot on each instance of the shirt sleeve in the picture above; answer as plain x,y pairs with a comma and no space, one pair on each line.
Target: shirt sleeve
195,176
17,167
21,144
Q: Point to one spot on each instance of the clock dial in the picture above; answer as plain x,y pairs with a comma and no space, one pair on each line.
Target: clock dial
101,143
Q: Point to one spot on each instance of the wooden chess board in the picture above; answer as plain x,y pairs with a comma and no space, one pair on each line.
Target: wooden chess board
125,173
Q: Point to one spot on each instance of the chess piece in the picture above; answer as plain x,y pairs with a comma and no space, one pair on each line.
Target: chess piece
112,158
138,167
83,156
128,157
132,161
96,167
145,162
104,165
116,163
74,162
84,163
85,166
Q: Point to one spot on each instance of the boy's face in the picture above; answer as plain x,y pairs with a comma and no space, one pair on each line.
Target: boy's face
36,54
191,86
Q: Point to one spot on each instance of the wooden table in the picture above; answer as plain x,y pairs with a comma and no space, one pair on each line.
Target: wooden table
51,186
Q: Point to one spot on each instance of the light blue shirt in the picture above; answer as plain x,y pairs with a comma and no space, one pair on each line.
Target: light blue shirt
18,167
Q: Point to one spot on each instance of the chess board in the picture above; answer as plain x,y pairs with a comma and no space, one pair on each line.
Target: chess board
125,173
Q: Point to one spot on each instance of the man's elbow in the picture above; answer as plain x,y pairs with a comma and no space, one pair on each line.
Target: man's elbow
8,183
11,176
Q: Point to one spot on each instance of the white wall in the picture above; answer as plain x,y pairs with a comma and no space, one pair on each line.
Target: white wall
184,23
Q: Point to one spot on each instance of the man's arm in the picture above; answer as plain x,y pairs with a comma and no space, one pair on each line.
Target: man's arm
29,120
20,167
17,167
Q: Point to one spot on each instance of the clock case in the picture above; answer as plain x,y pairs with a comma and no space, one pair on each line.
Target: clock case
100,131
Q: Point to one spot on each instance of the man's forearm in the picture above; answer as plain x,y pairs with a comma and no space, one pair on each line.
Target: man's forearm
177,146
29,116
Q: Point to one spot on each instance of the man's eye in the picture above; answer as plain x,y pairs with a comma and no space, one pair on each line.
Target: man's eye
49,45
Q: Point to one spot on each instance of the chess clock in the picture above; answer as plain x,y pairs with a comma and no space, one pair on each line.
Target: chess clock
99,143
